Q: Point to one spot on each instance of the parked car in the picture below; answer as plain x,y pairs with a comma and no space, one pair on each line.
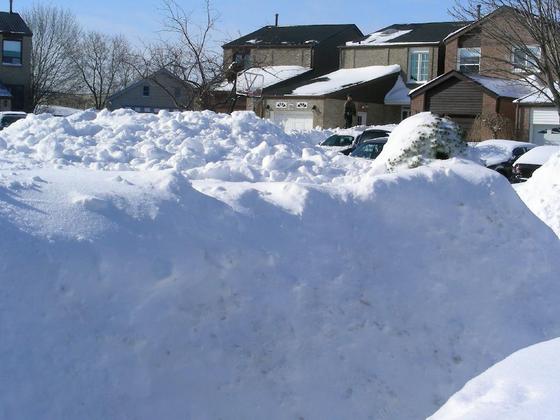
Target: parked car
369,134
370,149
499,155
7,118
524,167
338,140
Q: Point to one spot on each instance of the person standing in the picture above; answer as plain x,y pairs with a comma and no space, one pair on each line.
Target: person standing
349,111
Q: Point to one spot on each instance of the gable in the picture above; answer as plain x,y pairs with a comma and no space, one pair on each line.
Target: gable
443,98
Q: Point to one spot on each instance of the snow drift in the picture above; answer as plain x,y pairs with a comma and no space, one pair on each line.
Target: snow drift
524,386
541,193
148,294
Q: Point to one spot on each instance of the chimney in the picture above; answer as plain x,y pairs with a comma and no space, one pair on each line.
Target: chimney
276,19
478,12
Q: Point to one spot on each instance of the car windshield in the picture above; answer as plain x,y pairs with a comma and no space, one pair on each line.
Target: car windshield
338,140
368,150
372,134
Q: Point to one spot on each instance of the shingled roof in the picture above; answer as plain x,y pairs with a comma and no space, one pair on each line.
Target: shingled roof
410,33
12,23
291,35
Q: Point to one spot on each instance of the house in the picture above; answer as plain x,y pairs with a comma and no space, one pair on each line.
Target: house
15,69
377,70
275,55
480,78
161,90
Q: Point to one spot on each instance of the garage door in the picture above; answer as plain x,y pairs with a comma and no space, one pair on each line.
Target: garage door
545,126
292,121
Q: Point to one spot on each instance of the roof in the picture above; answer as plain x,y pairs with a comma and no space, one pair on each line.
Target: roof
13,23
344,79
264,76
409,33
506,88
291,35
538,96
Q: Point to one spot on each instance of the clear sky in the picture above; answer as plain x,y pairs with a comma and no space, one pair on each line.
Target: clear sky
142,18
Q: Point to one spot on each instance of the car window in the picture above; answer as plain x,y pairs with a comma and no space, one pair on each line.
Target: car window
374,134
518,151
338,140
368,150
10,119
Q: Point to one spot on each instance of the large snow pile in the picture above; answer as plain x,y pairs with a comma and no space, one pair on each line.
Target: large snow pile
131,288
525,386
541,193
421,139
237,147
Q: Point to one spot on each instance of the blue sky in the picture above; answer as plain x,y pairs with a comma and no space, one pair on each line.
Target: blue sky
141,18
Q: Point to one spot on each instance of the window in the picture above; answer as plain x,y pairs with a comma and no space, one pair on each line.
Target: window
523,59
468,60
146,91
405,112
11,52
419,65
242,59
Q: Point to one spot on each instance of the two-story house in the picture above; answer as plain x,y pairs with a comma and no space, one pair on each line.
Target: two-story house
480,78
15,68
377,71
275,56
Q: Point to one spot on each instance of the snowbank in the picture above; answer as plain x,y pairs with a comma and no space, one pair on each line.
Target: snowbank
525,386
208,266
541,192
237,147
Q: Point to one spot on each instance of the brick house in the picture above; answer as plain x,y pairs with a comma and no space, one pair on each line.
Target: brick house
480,78
15,69
377,70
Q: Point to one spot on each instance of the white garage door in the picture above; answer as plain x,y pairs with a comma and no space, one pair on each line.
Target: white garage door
292,121
545,126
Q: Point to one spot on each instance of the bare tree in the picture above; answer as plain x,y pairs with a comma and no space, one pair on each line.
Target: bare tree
55,31
527,39
102,63
186,50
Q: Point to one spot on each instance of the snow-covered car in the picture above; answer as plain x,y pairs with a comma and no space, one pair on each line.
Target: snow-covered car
370,149
338,140
524,167
369,134
7,118
499,155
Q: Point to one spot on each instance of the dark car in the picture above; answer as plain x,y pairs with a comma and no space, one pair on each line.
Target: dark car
7,118
370,149
499,155
338,140
370,134
524,167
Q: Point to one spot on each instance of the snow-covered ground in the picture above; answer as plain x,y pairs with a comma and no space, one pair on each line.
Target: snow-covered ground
209,266
525,386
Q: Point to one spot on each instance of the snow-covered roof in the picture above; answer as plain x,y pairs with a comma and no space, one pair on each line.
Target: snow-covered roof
398,95
538,96
344,78
270,75
509,88
409,34
538,155
497,151
503,87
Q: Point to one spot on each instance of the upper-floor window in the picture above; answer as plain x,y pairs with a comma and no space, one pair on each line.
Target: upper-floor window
11,52
242,59
468,60
146,90
419,65
524,59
